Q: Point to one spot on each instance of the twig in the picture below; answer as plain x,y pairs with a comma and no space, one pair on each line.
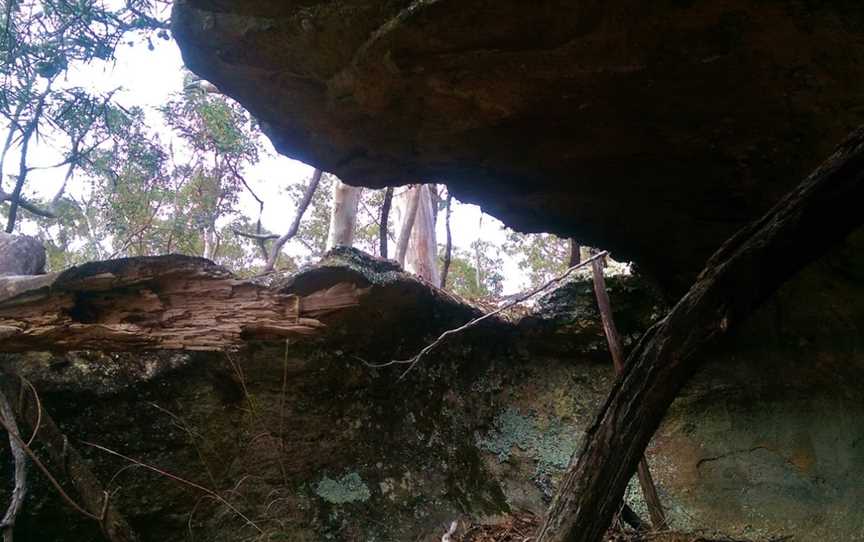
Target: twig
411,362
256,236
176,478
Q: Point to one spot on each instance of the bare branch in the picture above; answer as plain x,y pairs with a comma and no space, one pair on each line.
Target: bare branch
27,206
256,236
29,130
295,226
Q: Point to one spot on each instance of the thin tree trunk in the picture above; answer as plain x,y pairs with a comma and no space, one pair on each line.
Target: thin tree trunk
383,223
745,271
409,201
575,253
646,482
448,251
298,217
343,216
22,166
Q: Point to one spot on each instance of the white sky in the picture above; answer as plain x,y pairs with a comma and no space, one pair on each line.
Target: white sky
147,78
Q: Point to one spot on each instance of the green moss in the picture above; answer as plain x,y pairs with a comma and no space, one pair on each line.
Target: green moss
349,488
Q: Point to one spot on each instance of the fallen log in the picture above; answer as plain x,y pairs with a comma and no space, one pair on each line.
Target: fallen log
744,272
156,303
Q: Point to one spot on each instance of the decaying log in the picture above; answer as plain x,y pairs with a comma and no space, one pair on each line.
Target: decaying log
746,270
152,303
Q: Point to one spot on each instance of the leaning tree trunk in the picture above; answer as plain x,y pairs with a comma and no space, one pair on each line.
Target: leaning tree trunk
746,270
343,215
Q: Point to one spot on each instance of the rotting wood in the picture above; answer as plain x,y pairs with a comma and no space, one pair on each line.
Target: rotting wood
746,270
604,305
155,303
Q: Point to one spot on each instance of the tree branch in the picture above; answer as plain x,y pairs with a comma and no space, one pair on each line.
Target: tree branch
295,226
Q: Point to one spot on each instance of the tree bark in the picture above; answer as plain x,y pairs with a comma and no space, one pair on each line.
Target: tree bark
575,253
448,251
746,270
646,482
157,303
407,204
422,255
383,223
343,216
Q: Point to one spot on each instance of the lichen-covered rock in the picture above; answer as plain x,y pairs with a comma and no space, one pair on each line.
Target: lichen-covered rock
21,255
311,443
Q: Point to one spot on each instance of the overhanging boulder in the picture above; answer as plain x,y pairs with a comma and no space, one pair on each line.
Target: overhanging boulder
653,129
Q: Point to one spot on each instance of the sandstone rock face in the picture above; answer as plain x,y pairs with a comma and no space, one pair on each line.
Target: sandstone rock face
21,255
312,444
655,129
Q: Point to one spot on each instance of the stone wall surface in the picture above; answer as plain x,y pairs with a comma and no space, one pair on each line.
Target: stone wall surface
310,443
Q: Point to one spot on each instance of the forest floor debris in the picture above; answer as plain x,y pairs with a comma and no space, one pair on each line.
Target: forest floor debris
521,527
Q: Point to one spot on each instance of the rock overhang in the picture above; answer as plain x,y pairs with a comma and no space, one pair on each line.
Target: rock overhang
656,130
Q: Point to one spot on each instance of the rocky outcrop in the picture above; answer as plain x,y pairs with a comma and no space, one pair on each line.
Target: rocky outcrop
311,443
653,129
21,255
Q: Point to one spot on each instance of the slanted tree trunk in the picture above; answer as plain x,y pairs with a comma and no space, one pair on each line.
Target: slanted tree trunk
746,270
616,350
308,194
343,215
